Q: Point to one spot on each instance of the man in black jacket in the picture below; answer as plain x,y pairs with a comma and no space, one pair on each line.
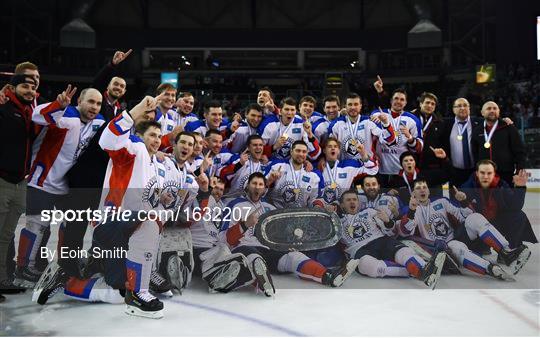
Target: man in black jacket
16,137
498,141
500,203
432,130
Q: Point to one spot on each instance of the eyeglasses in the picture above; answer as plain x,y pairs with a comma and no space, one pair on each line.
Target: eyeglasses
461,106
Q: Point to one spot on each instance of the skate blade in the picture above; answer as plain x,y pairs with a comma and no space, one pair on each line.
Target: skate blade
351,267
439,263
518,264
262,279
135,311
45,278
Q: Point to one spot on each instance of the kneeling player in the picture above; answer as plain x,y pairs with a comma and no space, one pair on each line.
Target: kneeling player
432,219
241,238
363,233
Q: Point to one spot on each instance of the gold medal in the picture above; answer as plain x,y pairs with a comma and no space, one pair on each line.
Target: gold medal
459,137
285,135
396,133
296,191
353,142
333,185
487,145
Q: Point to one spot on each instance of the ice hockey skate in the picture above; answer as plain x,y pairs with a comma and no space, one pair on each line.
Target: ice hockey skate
432,271
515,259
263,278
51,281
143,304
338,277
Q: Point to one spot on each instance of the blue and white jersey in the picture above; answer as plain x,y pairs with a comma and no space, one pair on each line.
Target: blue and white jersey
338,178
271,129
295,188
389,153
360,229
237,142
363,131
173,119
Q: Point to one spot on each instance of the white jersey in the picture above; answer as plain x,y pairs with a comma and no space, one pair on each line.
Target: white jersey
359,229
389,153
179,184
238,174
272,129
382,202
238,141
230,229
58,145
131,179
321,127
218,162
204,233
295,188
195,164
363,131
173,119
434,221
200,126
339,178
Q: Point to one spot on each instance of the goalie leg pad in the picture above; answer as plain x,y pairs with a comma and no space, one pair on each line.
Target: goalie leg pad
229,274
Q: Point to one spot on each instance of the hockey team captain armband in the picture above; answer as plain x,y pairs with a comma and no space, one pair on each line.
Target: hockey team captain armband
300,229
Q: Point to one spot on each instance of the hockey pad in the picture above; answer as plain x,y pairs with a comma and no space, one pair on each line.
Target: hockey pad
229,274
175,256
299,229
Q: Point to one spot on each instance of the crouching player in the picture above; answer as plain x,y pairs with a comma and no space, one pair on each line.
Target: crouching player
433,221
241,238
365,236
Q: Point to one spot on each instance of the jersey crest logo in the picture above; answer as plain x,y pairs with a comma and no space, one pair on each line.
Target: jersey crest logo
438,206
305,179
296,130
161,172
95,127
342,175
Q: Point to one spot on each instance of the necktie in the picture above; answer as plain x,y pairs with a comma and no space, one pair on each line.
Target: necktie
465,145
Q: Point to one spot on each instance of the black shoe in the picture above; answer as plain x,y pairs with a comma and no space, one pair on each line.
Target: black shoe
51,281
515,258
8,288
432,270
93,266
26,277
263,278
159,284
338,277
143,304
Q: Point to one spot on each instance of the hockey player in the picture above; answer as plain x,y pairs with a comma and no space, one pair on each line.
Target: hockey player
66,134
331,112
293,186
242,130
338,176
265,99
353,129
279,133
434,221
306,109
241,238
236,172
407,129
132,184
365,234
213,119
217,156
195,160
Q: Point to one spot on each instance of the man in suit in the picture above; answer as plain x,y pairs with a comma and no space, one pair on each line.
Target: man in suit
457,137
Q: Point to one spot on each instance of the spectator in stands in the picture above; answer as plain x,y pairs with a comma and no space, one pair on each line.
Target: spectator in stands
498,141
500,202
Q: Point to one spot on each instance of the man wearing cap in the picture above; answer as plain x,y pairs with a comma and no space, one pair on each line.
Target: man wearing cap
16,137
